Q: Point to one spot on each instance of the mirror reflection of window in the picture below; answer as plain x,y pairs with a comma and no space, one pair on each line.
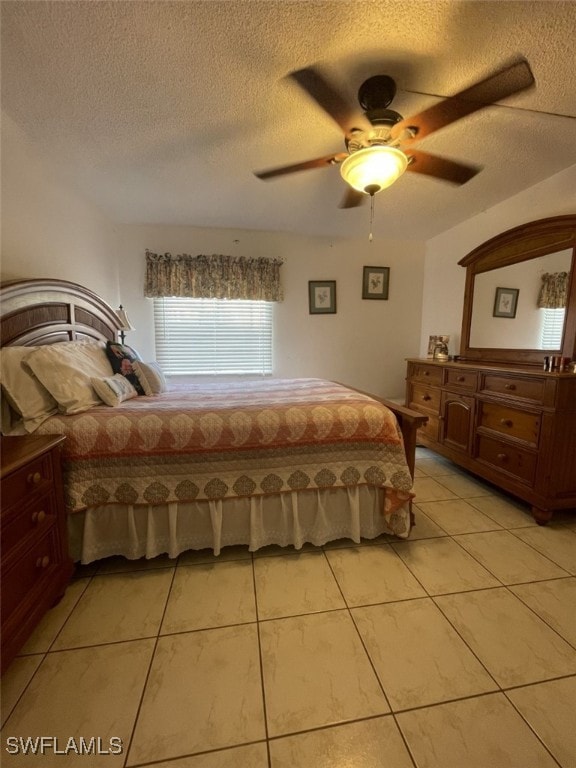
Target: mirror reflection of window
552,327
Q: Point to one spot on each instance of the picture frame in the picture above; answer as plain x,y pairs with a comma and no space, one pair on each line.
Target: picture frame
505,302
438,346
322,297
375,282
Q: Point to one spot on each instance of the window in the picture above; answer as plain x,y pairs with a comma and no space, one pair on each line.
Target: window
552,327
210,336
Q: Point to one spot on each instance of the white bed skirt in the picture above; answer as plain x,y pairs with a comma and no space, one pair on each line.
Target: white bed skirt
294,518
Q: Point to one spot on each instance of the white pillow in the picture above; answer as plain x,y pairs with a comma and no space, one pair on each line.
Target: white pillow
24,393
150,377
113,390
11,422
67,369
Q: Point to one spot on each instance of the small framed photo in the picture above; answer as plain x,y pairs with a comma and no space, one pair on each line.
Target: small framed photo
438,346
505,302
322,297
375,282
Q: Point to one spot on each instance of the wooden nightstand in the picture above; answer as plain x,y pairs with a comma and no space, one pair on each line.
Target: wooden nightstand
35,565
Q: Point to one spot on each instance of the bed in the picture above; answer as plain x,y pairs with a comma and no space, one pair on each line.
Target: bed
258,462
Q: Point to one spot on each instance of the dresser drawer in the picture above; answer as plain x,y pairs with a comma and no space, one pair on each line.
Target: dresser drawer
24,570
461,380
523,387
36,476
512,422
430,374
28,520
424,398
430,429
516,461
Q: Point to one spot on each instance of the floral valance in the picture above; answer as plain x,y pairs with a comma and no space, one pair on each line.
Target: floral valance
212,277
554,290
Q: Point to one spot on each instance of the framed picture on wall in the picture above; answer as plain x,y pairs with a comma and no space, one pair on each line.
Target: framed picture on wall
375,282
505,302
322,297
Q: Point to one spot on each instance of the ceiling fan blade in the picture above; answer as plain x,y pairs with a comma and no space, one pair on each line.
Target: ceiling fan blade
352,198
512,79
326,96
440,167
319,162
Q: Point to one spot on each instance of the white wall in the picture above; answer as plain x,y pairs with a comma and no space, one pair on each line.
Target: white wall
47,229
444,280
364,344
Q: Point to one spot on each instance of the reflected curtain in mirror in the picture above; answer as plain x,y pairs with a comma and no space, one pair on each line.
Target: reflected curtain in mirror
554,290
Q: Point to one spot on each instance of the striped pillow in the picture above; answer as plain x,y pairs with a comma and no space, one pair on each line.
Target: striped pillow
114,389
150,376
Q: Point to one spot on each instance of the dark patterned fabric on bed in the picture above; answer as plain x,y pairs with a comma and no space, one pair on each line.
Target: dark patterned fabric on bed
226,440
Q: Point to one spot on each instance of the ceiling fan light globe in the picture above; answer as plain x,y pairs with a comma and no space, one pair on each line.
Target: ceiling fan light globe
372,167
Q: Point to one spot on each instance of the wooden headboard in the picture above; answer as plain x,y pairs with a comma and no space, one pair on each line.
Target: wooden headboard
43,311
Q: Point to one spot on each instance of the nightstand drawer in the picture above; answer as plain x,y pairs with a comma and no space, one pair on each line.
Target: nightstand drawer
34,477
424,398
23,571
525,388
23,520
520,425
35,566
508,458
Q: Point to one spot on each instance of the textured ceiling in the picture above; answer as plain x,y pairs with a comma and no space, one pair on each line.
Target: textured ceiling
159,112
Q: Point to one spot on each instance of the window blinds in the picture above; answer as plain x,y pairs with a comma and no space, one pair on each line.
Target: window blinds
552,327
213,336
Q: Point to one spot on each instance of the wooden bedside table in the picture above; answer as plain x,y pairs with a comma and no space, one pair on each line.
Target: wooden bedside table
35,565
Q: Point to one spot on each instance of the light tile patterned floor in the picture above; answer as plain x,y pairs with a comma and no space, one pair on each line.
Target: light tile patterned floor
455,649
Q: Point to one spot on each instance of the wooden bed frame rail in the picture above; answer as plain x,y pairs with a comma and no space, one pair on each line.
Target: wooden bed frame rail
409,422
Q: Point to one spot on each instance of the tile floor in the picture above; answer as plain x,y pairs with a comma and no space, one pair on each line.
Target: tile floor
454,649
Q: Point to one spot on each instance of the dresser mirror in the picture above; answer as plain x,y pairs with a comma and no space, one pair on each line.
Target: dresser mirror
502,322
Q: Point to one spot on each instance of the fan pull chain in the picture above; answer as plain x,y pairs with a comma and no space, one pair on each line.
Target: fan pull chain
371,216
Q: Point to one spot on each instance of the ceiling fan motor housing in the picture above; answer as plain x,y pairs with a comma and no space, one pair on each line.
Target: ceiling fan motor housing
377,92
382,121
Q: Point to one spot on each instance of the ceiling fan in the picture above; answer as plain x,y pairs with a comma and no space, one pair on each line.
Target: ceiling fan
379,140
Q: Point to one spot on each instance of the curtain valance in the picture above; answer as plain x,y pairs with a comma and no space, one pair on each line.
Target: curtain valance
554,290
212,277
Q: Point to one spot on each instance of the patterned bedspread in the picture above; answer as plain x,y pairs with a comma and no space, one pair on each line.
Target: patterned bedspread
225,440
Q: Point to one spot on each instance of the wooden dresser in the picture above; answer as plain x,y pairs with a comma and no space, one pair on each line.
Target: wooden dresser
511,426
35,565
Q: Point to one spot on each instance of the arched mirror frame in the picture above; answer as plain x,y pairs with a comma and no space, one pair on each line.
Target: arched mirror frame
528,241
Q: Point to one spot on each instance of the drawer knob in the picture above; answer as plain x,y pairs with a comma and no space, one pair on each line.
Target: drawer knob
511,387
43,562
461,378
426,397
38,517
426,373
502,457
506,422
34,478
